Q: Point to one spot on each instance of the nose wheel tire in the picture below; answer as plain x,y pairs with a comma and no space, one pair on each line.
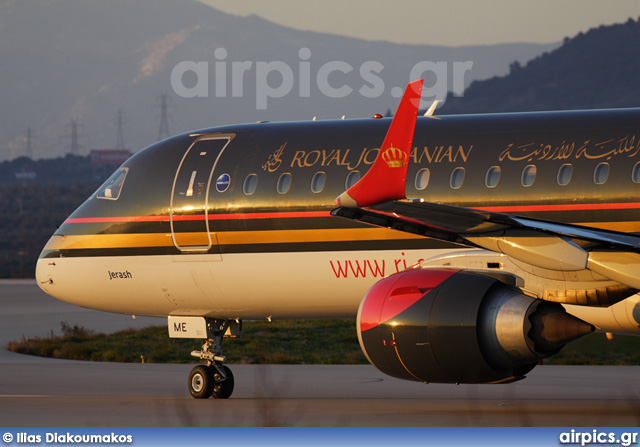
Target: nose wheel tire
201,382
206,381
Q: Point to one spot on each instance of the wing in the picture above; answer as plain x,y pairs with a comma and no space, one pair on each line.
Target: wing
379,199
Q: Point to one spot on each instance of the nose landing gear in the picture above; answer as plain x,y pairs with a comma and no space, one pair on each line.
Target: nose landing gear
214,378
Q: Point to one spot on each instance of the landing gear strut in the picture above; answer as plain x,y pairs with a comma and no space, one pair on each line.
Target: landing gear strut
214,378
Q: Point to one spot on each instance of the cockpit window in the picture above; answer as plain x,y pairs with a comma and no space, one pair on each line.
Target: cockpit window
111,189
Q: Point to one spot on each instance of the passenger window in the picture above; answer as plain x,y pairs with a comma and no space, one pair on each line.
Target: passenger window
111,189
422,179
493,177
529,175
635,174
564,174
284,183
457,178
250,184
317,182
352,179
601,173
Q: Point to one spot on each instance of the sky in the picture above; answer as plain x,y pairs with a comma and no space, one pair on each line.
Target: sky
440,22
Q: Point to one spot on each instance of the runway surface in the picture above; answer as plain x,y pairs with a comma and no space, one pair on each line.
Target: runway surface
37,391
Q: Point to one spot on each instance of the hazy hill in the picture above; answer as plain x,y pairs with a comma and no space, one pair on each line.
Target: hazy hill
596,69
64,59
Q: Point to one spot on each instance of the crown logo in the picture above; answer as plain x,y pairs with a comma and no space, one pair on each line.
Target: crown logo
394,157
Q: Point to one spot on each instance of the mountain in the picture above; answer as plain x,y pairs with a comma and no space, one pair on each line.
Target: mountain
65,60
596,69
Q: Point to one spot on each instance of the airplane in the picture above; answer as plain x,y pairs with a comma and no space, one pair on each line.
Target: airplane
468,247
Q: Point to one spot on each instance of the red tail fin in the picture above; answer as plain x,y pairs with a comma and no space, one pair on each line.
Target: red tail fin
386,179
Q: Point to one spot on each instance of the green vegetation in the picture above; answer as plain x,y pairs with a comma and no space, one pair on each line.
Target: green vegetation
284,342
288,341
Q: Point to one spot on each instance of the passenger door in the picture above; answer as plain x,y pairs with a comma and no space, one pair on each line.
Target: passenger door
189,197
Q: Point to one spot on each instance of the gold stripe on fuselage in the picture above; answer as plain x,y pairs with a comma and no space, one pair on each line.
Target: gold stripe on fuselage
621,227
89,241
289,236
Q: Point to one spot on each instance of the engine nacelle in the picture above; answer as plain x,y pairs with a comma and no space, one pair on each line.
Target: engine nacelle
458,326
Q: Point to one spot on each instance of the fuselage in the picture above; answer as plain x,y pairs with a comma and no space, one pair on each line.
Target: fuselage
234,222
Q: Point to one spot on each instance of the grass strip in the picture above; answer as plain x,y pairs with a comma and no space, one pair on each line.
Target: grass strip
278,342
284,342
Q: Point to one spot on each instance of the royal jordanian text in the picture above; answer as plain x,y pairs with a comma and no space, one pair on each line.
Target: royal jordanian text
68,438
354,159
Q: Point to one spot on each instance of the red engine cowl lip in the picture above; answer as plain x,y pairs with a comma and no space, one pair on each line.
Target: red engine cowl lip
396,293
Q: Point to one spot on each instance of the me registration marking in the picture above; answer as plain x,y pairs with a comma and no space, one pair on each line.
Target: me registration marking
187,327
